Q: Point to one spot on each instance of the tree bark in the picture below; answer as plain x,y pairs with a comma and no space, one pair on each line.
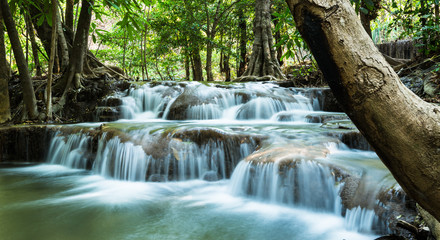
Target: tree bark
197,65
277,37
25,78
79,48
5,110
243,41
403,129
263,60
34,45
53,46
69,14
63,49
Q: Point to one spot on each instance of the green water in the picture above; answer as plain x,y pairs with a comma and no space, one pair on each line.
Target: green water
52,202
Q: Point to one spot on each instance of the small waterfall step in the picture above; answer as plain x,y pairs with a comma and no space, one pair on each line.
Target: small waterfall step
308,177
153,154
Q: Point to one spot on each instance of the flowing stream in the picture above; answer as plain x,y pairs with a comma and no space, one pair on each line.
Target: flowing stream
195,161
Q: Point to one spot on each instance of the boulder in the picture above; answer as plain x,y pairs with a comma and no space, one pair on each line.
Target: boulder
195,95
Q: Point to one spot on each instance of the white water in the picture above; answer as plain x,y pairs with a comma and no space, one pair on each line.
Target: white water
304,199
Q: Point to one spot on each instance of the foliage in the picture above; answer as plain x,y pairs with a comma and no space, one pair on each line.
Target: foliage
158,39
411,20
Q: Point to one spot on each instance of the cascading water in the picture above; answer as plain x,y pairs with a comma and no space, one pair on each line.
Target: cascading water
177,135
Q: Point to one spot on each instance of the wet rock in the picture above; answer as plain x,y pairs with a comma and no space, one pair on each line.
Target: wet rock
324,118
431,85
107,114
391,237
354,139
157,178
111,102
414,82
24,143
329,102
339,124
211,176
192,96
393,206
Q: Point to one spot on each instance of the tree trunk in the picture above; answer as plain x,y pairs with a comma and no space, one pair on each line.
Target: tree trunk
365,20
403,129
63,49
34,45
226,68
5,110
44,31
243,41
79,48
208,66
277,37
187,66
25,78
51,60
69,14
197,64
263,60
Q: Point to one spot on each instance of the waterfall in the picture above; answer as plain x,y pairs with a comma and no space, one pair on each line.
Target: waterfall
196,101
113,158
309,185
193,131
69,151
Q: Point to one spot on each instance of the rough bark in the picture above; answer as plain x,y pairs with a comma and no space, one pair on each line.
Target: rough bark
5,110
263,60
197,65
403,129
243,41
68,15
34,45
63,47
79,48
277,37
44,32
25,79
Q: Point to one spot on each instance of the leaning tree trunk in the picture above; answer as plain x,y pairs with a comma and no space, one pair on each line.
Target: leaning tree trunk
5,110
79,48
403,129
25,79
263,61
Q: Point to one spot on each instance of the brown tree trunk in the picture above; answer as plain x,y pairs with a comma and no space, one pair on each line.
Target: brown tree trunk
69,14
197,65
403,129
25,78
34,45
277,37
5,110
63,49
243,41
79,48
208,67
263,61
187,66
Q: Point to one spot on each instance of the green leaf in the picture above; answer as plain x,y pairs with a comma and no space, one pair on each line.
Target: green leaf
40,20
363,10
